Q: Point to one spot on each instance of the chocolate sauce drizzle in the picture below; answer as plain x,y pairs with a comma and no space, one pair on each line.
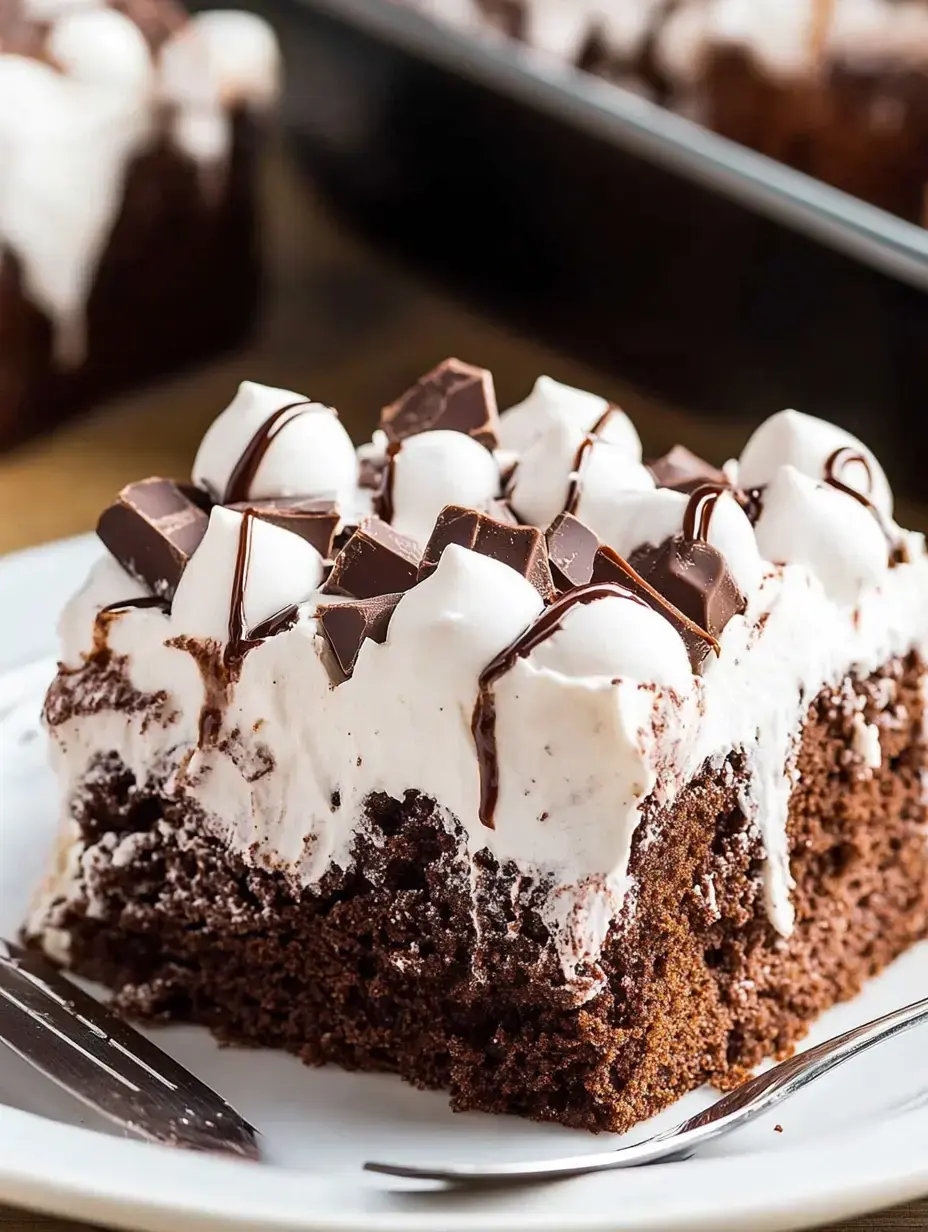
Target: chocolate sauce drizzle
697,519
582,457
106,615
128,605
219,677
238,487
483,723
847,456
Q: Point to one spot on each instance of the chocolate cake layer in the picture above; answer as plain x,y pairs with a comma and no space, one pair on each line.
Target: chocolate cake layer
380,967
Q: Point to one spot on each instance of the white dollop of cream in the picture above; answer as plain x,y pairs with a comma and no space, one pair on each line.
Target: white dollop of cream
283,570
559,27
434,469
311,455
790,438
837,538
243,55
214,62
615,638
550,403
102,47
542,480
472,602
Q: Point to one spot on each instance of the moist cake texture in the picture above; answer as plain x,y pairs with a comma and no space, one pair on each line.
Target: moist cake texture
835,88
489,754
127,210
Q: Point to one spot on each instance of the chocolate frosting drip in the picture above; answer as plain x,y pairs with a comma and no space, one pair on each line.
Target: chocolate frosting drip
483,723
575,489
243,474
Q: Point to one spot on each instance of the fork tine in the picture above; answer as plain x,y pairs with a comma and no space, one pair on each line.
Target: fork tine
85,1048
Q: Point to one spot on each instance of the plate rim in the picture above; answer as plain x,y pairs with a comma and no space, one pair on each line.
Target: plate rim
77,1172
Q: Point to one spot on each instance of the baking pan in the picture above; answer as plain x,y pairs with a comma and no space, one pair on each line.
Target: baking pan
699,270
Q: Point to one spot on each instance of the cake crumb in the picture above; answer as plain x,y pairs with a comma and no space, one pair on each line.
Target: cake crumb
778,1129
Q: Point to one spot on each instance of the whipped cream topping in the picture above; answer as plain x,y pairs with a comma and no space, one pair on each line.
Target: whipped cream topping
596,717
71,123
296,447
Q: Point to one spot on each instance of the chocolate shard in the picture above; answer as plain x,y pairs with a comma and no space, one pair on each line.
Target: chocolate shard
693,576
572,549
650,579
152,529
346,625
684,471
521,547
454,397
314,520
375,561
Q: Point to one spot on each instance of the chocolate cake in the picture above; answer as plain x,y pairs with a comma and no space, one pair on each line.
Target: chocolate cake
835,88
127,195
489,755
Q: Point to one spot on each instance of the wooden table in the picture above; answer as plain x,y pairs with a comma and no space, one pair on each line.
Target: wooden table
343,326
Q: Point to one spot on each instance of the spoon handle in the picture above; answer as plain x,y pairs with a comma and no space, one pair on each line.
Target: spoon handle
741,1106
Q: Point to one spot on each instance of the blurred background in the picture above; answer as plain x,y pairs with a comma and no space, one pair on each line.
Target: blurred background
431,192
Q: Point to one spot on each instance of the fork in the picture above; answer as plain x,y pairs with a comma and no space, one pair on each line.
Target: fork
732,1112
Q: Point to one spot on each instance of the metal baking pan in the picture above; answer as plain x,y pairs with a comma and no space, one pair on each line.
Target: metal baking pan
701,271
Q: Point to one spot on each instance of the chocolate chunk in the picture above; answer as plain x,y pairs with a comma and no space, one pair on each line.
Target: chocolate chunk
572,550
375,561
347,624
693,576
647,578
312,519
153,529
683,471
521,547
454,397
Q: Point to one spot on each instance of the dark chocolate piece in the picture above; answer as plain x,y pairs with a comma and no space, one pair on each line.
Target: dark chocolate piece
454,397
313,520
483,722
521,547
684,471
347,624
572,548
153,529
375,561
692,575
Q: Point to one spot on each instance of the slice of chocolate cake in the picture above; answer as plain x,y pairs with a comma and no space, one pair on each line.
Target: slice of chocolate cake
563,783
127,195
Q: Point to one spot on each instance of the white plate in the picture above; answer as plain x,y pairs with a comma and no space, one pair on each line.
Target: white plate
854,1142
